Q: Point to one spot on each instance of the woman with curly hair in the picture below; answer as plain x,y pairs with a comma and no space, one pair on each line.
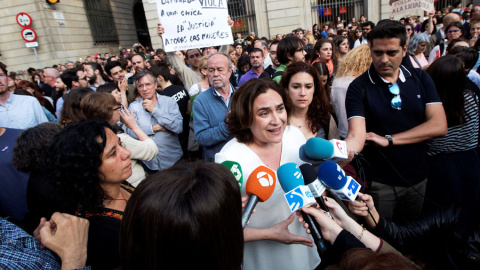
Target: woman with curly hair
311,109
356,62
88,165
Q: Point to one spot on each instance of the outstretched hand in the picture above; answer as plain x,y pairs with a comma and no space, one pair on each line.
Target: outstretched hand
330,228
282,234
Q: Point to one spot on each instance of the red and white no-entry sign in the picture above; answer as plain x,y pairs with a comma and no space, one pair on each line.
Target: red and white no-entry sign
24,20
29,35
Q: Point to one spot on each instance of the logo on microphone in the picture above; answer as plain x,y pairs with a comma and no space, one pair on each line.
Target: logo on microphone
265,179
299,197
340,147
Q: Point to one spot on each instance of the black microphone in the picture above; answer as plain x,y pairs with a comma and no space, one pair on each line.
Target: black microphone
315,186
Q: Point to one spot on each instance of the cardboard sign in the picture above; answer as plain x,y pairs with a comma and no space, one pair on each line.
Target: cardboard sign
194,23
409,6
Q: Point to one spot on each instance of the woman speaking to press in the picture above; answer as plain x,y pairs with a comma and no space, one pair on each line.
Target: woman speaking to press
258,123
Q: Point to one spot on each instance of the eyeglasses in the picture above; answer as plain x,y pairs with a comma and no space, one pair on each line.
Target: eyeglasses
120,107
300,50
396,100
358,31
453,31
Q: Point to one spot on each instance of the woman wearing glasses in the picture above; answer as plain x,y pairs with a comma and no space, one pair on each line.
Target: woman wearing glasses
410,32
453,31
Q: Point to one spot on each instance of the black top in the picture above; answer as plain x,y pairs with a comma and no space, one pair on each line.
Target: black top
103,236
368,97
181,96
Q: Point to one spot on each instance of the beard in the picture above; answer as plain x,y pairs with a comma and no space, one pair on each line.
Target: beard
92,80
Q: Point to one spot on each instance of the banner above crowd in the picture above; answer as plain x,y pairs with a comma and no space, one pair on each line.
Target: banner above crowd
194,23
409,6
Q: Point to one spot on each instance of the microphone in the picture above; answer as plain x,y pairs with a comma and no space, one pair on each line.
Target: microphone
236,170
320,149
333,176
315,186
298,196
260,186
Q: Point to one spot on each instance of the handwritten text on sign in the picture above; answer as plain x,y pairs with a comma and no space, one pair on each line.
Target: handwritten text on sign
194,23
408,6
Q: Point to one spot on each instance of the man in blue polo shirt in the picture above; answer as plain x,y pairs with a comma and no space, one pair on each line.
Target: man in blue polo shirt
393,111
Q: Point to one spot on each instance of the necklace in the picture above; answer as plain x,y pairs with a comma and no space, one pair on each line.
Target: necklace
123,197
299,126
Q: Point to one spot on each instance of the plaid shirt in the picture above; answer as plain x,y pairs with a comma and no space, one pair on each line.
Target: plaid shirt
19,250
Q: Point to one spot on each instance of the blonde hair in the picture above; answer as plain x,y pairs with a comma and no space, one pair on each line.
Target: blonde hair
311,39
355,62
230,50
202,64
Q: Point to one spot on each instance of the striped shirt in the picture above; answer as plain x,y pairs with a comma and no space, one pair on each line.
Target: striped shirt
461,137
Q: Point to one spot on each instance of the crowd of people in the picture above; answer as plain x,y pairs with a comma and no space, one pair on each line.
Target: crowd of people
113,162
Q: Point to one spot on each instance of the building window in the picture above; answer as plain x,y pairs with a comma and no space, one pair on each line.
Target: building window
100,19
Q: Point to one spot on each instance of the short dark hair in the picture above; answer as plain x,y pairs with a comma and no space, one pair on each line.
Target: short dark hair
159,51
3,67
191,210
257,50
31,144
160,69
240,117
388,29
468,56
110,65
287,48
107,88
68,76
371,24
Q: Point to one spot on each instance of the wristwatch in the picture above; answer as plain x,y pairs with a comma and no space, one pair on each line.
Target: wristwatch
390,139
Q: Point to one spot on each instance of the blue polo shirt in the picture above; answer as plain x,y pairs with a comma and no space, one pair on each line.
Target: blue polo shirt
368,97
247,76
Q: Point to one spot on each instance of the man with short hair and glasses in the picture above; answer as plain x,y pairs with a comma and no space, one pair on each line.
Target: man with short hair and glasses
392,112
364,28
50,75
159,117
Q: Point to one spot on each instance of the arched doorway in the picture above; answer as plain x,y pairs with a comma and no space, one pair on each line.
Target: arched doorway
141,24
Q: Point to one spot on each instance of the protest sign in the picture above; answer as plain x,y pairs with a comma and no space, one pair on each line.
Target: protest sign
194,23
409,6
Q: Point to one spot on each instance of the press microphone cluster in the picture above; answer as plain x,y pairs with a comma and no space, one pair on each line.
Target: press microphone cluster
260,186
297,196
317,149
333,176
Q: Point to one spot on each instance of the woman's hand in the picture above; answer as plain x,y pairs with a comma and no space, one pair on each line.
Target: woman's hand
280,233
361,208
330,229
128,119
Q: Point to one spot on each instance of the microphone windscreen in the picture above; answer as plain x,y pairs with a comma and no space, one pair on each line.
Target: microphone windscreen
236,170
309,173
261,183
289,176
332,175
318,148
